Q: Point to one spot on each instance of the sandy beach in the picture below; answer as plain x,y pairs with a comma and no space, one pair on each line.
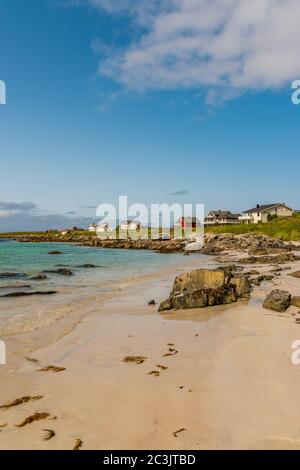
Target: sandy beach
230,385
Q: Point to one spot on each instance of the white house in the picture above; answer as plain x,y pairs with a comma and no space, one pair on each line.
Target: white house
263,213
92,228
130,225
221,218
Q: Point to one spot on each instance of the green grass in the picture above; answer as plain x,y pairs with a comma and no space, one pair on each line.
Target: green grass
50,234
286,228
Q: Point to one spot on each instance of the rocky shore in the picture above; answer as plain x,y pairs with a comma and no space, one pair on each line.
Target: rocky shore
214,244
231,282
162,246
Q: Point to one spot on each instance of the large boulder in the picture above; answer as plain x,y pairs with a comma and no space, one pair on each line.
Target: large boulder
199,279
278,300
204,288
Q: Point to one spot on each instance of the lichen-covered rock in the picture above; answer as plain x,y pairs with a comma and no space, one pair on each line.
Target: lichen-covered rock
278,300
241,284
200,298
199,279
204,288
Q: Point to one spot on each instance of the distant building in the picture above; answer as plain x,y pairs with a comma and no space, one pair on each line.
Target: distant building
221,218
65,231
130,225
263,213
92,228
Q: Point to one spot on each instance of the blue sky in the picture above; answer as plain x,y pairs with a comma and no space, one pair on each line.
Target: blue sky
108,98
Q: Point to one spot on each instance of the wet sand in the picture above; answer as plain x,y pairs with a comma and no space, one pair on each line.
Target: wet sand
230,385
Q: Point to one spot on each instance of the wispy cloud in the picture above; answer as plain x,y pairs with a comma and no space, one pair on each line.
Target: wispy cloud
224,46
180,192
87,206
18,206
25,222
22,216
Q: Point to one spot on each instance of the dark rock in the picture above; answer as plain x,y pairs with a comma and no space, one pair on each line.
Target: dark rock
61,271
278,300
279,259
152,302
203,287
23,294
55,252
259,279
87,265
200,298
39,277
8,275
15,286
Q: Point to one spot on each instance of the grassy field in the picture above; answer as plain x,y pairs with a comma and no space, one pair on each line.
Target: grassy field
50,234
286,228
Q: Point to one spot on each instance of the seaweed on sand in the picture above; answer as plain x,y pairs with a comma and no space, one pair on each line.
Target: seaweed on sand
20,401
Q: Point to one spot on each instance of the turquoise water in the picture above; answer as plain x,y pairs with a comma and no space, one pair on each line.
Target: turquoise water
33,258
114,270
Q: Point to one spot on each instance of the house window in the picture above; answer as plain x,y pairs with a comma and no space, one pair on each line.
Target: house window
258,214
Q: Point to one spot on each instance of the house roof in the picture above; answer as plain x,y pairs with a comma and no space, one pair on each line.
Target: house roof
130,221
223,215
265,207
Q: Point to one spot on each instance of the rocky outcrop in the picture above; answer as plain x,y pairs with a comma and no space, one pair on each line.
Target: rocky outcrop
253,243
203,287
278,300
277,259
162,246
256,281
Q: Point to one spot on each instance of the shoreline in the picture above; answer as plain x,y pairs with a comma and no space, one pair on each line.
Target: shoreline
40,336
231,384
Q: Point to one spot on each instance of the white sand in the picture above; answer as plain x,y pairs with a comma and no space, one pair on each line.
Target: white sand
231,385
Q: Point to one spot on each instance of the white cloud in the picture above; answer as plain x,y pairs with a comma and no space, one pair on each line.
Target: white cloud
229,45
